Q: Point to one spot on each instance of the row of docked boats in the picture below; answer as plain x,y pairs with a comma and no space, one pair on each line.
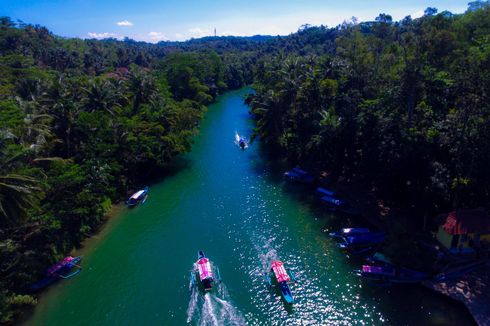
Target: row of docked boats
205,276
378,267
359,241
327,197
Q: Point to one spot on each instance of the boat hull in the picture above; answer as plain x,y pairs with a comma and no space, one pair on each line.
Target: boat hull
205,276
298,175
286,292
62,273
132,202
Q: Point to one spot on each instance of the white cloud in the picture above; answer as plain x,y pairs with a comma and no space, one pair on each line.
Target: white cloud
417,14
126,23
199,32
156,36
102,35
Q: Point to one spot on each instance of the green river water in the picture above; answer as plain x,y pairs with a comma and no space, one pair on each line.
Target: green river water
234,206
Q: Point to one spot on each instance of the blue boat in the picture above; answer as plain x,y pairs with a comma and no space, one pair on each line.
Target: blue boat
362,243
282,278
298,175
349,232
332,202
60,270
325,192
336,204
138,197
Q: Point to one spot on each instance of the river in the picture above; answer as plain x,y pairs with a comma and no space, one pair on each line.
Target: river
234,206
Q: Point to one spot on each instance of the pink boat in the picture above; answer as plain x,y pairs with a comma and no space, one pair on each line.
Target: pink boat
205,271
282,277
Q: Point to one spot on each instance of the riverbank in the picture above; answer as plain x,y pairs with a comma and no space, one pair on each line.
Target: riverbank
471,289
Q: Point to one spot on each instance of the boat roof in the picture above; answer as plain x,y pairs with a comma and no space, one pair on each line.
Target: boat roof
137,194
386,270
59,265
372,237
332,200
355,230
299,171
280,271
204,267
325,191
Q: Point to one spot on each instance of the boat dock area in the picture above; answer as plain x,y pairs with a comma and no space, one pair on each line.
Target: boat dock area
472,289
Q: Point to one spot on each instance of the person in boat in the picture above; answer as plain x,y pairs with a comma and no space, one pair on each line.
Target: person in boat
242,143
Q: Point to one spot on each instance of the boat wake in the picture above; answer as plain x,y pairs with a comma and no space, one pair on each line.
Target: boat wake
240,141
213,309
267,254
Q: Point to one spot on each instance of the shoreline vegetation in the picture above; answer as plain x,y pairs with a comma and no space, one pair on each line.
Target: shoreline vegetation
83,123
400,108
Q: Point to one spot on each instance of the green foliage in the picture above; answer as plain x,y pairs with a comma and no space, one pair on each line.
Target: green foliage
402,106
81,124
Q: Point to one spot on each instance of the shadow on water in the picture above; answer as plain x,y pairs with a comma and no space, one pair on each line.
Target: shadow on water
398,301
171,169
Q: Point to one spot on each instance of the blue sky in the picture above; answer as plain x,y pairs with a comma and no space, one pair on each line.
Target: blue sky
155,20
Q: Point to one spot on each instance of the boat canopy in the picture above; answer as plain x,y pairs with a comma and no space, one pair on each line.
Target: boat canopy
61,264
377,270
348,231
280,271
371,237
137,194
333,201
205,270
299,171
325,191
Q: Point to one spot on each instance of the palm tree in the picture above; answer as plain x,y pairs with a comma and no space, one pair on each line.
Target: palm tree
37,126
293,74
63,104
102,95
142,87
18,191
269,113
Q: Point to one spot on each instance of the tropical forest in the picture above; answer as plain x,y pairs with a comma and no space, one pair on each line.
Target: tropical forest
388,119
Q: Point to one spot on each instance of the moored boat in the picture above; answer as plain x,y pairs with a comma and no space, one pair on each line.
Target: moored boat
299,175
337,204
207,275
282,278
325,192
348,232
60,270
362,243
391,274
137,197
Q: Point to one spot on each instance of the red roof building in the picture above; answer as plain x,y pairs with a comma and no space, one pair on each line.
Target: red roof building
467,221
464,228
